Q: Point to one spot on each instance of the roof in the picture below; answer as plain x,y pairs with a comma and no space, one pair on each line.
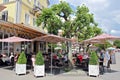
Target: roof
2,7
21,29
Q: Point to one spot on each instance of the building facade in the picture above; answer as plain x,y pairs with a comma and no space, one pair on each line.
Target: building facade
22,11
19,19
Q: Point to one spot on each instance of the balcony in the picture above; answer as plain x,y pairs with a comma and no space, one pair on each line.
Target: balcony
36,10
7,18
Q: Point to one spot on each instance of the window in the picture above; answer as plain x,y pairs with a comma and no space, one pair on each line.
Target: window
35,2
29,1
38,4
5,15
42,46
34,22
5,1
27,19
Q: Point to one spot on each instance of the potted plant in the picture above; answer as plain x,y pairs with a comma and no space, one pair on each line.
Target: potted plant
93,64
21,64
39,68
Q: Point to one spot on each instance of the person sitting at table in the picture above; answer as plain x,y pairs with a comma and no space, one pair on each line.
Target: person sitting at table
12,59
16,57
79,59
1,61
5,59
55,58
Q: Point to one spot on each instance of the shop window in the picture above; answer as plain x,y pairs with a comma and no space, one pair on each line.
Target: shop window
43,46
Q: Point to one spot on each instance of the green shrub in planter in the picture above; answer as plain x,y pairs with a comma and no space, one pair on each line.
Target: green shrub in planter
93,59
22,58
39,59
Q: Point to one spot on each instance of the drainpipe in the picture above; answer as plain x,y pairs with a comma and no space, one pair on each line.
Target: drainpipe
18,10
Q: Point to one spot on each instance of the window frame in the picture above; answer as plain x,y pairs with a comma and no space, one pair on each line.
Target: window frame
34,22
27,18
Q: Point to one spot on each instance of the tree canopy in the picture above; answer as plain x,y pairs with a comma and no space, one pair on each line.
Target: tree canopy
79,23
117,43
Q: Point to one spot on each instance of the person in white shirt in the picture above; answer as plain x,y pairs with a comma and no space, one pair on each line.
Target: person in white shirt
12,59
107,59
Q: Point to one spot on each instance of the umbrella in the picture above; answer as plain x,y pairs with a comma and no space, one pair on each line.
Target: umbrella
51,38
14,39
2,7
111,48
92,41
102,38
58,48
105,37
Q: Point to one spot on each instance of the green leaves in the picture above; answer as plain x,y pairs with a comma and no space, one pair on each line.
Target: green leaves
60,16
62,10
93,58
39,59
50,21
22,58
84,24
117,43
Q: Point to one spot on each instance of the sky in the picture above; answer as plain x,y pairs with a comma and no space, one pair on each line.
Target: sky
106,13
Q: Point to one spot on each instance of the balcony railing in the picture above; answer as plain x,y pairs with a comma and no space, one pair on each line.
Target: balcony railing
36,10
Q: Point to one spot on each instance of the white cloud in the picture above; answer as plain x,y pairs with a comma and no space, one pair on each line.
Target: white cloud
94,5
116,16
115,32
98,1
78,2
104,13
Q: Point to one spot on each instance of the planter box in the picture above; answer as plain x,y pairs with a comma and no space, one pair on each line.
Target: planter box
39,70
20,69
94,70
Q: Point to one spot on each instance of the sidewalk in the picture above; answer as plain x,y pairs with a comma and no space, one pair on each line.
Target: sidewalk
7,74
114,74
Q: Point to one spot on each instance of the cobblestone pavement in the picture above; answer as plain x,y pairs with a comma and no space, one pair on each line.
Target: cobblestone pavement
7,74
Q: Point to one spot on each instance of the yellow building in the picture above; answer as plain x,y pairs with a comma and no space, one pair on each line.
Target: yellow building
22,11
18,18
